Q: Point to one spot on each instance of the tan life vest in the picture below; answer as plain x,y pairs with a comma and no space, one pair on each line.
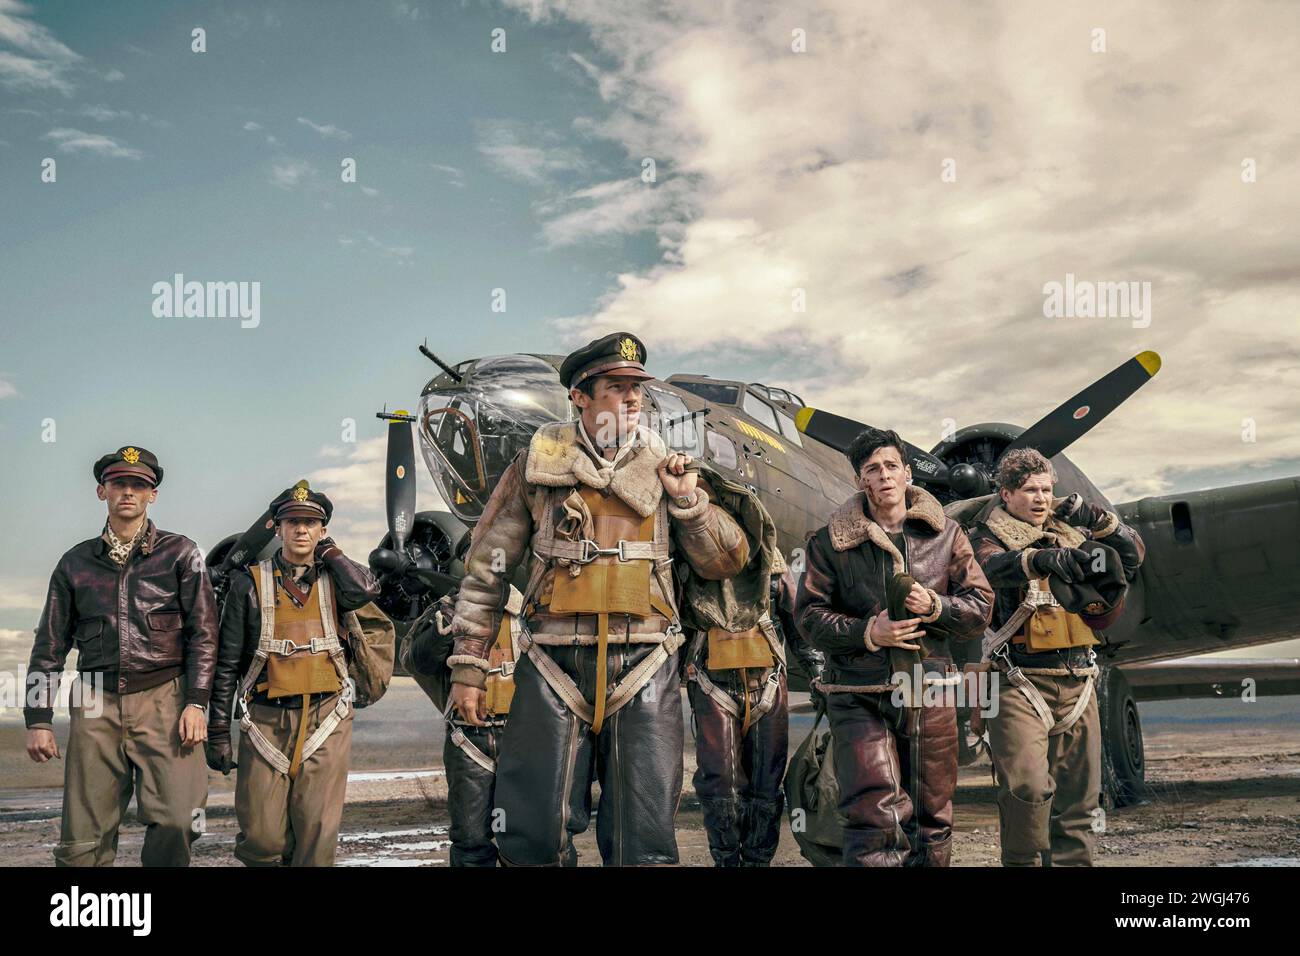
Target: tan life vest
758,648
501,656
609,584
733,651
300,672
1051,627
299,653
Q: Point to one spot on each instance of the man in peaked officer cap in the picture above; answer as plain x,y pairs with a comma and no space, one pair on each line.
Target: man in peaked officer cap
597,685
137,604
282,659
129,461
619,353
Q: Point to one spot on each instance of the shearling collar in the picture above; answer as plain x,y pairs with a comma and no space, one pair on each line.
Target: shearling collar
1018,535
851,524
556,459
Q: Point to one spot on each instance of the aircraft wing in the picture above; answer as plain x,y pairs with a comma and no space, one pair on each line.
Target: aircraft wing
1202,676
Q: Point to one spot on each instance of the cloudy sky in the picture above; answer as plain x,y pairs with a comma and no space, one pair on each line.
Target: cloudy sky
915,173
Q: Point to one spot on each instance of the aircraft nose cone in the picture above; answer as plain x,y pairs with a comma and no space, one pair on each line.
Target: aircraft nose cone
967,481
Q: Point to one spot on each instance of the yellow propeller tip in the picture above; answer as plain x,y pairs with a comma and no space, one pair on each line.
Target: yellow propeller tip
1149,361
402,411
801,418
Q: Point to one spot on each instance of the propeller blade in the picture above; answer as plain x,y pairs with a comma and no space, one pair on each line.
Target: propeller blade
399,480
1074,418
839,432
250,543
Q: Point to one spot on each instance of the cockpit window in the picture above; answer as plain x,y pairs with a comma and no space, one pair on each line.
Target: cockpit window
760,411
711,391
789,429
678,427
722,450
469,433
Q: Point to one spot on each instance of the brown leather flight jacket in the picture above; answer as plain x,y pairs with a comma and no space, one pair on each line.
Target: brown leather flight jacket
849,562
140,625
705,535
241,625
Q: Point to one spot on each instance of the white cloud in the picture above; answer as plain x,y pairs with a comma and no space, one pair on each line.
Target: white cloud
328,131
105,114
250,126
532,155
42,61
619,206
400,254
289,173
357,489
15,652
7,389
29,36
370,190
75,140
457,176
408,11
114,76
24,73
22,594
822,171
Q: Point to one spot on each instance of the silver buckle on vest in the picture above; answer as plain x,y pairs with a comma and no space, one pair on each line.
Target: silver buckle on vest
591,551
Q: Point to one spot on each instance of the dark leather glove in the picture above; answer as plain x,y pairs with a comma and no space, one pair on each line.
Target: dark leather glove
1126,546
217,749
1069,508
1075,511
1068,564
326,548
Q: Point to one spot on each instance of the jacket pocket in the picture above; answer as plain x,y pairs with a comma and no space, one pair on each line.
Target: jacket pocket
164,621
88,638
164,637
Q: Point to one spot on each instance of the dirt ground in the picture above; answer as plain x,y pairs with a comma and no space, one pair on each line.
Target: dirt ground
1222,792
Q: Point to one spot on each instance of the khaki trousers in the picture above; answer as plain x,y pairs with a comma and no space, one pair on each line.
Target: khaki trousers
133,746
285,822
1048,786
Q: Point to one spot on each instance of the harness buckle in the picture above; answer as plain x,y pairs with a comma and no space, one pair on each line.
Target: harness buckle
591,551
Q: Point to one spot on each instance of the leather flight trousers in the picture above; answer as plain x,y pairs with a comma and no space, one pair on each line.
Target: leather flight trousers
549,758
470,796
896,783
739,773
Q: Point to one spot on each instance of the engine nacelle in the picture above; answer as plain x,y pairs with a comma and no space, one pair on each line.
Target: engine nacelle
972,456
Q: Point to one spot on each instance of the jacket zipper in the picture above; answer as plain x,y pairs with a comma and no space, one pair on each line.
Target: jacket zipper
913,722
915,742
123,623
